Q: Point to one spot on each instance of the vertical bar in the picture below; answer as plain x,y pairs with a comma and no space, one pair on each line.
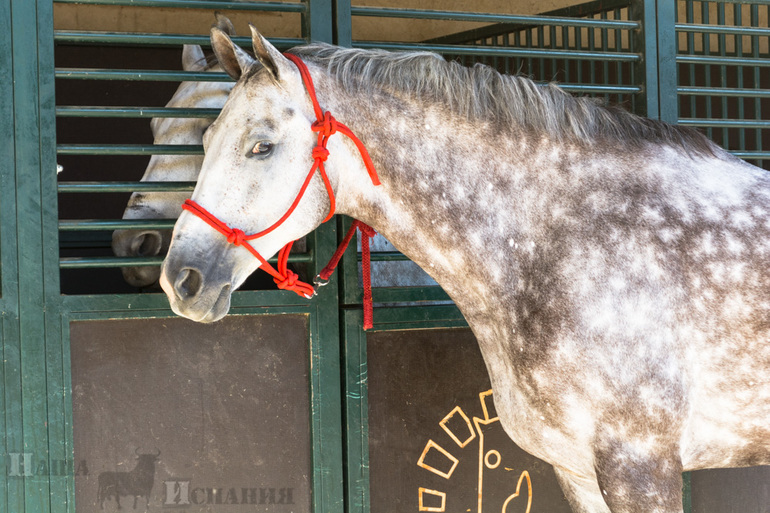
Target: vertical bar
30,97
707,67
317,22
668,103
343,23
321,23
326,391
645,42
357,413
605,47
738,20
722,47
12,487
691,51
59,428
755,42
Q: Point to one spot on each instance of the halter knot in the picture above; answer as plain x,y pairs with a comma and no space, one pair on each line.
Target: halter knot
320,153
288,281
367,230
236,237
326,126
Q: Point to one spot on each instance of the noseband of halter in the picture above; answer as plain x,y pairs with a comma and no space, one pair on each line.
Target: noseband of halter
326,126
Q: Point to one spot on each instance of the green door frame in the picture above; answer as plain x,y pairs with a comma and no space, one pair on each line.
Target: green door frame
35,371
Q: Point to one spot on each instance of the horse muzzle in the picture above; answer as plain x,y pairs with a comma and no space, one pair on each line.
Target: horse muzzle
140,243
195,293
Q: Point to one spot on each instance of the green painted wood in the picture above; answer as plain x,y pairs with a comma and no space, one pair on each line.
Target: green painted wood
60,483
328,475
30,96
11,440
356,412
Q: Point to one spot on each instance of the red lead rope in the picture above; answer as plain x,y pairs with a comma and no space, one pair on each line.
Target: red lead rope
285,279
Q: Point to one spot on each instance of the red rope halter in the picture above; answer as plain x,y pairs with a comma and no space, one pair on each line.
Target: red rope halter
326,126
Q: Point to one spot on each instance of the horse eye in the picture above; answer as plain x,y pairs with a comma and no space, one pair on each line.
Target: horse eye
262,148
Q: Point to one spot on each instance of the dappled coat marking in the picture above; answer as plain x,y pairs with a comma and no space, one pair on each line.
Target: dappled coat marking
613,269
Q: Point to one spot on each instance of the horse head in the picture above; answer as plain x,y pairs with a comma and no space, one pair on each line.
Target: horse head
166,168
254,181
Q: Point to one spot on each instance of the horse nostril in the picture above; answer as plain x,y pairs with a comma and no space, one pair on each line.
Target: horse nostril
146,244
188,283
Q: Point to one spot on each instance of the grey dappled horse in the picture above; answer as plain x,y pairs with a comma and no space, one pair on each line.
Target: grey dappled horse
614,269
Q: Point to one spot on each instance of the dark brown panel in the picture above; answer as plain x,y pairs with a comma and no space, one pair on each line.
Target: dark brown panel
734,490
226,405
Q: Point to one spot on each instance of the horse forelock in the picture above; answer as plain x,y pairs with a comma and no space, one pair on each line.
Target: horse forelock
482,93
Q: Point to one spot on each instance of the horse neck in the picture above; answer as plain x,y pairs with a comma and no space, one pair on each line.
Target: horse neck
445,199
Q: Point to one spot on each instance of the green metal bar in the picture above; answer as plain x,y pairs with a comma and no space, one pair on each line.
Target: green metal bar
646,71
668,103
605,34
503,52
141,74
707,52
725,91
729,61
71,111
138,38
737,16
758,141
723,29
343,23
317,22
198,4
722,46
90,187
725,123
690,14
113,262
752,155
129,149
70,225
488,18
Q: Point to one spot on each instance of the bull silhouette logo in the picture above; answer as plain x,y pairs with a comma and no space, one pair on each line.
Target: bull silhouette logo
136,482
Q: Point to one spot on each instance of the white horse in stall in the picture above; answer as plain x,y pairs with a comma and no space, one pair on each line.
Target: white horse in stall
614,270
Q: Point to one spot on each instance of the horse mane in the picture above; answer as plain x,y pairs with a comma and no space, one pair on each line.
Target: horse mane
482,93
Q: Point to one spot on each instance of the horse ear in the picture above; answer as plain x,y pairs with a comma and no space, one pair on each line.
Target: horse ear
233,59
267,54
193,58
224,24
